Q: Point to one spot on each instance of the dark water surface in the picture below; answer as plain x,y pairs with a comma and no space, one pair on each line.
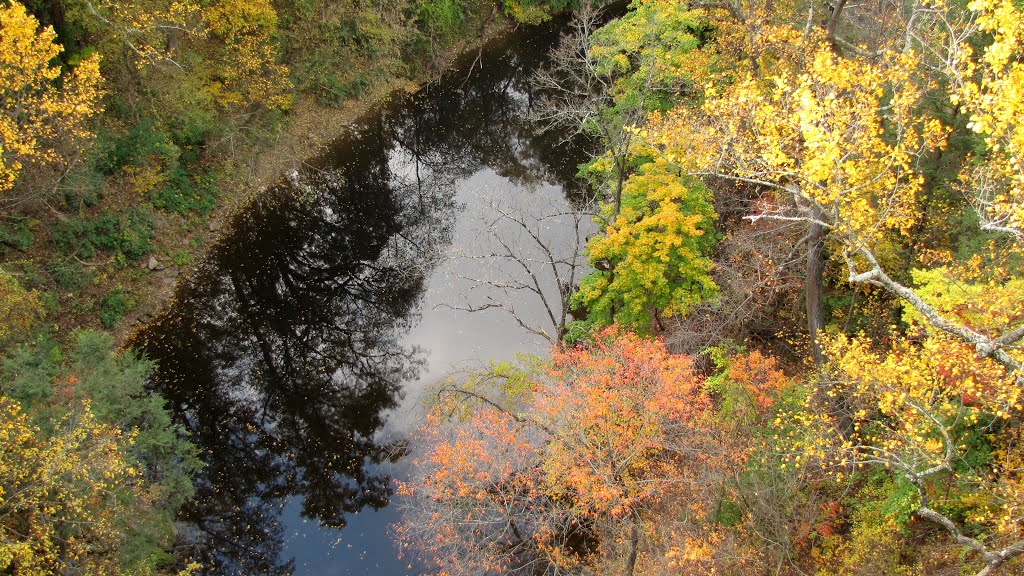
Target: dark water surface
294,354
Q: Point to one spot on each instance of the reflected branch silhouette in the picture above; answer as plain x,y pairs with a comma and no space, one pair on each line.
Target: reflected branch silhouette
532,251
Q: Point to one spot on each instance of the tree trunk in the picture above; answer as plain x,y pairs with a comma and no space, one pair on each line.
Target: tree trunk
659,326
815,291
814,288
634,546
173,41
58,19
833,20
620,182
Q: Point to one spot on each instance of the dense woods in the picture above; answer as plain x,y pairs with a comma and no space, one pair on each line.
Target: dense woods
797,349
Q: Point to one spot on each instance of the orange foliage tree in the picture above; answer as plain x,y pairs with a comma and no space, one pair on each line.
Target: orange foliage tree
538,470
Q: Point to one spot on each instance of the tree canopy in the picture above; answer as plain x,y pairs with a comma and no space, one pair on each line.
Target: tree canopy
882,144
44,113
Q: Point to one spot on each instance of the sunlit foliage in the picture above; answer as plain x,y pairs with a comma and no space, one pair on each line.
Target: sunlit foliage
653,259
940,419
987,87
821,133
43,113
528,472
64,495
647,53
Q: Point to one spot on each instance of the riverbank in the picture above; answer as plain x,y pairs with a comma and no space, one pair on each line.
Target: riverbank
289,350
310,127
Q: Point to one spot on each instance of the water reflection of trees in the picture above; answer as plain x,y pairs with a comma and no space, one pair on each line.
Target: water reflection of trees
285,348
459,127
281,354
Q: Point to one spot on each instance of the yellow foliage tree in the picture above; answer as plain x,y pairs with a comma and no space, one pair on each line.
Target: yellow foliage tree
247,72
835,139
990,90
148,28
60,494
926,411
831,141
19,308
843,137
43,116
822,132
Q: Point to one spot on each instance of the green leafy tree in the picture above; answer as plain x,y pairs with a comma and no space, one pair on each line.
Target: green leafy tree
653,260
94,381
605,79
40,377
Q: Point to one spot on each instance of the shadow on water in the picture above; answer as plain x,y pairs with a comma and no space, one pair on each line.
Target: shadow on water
284,350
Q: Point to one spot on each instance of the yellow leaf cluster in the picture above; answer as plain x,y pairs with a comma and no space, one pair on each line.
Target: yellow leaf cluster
59,494
913,408
143,26
991,91
249,72
839,133
39,116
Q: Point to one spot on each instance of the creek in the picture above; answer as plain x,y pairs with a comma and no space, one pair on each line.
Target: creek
296,354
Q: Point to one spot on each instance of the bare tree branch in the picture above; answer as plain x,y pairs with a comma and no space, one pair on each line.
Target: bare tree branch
529,253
